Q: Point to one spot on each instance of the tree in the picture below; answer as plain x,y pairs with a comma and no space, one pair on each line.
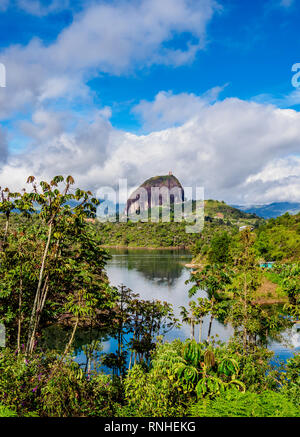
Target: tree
219,252
213,278
195,315
249,320
49,255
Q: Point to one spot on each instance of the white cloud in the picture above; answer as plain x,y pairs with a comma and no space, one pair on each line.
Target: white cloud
113,37
278,170
38,8
170,109
281,190
279,180
44,125
241,152
105,37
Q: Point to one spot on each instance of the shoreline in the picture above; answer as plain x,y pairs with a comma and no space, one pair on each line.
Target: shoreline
106,246
259,300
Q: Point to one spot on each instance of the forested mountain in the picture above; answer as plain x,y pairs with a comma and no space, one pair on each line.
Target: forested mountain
271,210
217,215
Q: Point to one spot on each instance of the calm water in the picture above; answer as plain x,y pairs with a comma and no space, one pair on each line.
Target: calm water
161,274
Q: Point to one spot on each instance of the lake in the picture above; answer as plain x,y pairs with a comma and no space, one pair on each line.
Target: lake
161,274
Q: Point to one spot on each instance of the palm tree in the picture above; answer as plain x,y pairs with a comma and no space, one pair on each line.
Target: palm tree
188,316
213,278
200,310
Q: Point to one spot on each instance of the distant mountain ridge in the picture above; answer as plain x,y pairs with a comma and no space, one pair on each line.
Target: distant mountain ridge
271,210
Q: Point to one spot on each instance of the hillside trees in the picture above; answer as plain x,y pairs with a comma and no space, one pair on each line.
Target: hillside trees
47,256
279,239
231,276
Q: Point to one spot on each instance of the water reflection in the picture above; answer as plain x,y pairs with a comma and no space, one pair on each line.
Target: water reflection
163,267
161,274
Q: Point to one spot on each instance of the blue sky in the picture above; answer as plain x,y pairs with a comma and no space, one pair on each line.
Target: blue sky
103,89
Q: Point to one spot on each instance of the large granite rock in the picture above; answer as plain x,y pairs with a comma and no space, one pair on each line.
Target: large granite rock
156,191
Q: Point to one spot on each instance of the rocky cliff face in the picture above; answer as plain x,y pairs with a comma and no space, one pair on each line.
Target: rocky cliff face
156,191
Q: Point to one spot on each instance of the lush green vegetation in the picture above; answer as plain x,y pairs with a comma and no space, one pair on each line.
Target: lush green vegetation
145,234
276,240
52,270
236,404
279,239
218,216
182,379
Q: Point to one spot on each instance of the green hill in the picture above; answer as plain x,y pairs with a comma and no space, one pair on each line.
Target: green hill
218,215
279,239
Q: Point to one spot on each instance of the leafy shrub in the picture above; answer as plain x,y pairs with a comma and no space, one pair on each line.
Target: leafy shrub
6,412
49,387
236,404
290,380
180,373
151,394
19,380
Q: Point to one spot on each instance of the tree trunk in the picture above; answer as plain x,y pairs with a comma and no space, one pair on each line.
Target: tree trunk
192,330
20,316
209,328
68,346
200,330
32,323
245,316
6,229
39,310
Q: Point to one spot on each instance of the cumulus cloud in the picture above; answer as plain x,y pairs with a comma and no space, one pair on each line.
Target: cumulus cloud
237,150
44,125
170,109
116,36
277,170
105,37
279,180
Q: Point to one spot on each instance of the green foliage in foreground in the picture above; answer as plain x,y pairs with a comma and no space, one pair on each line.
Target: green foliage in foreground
198,379
182,379
6,412
51,264
236,404
45,385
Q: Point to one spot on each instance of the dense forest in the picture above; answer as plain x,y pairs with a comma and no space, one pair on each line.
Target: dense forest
217,215
52,276
279,239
